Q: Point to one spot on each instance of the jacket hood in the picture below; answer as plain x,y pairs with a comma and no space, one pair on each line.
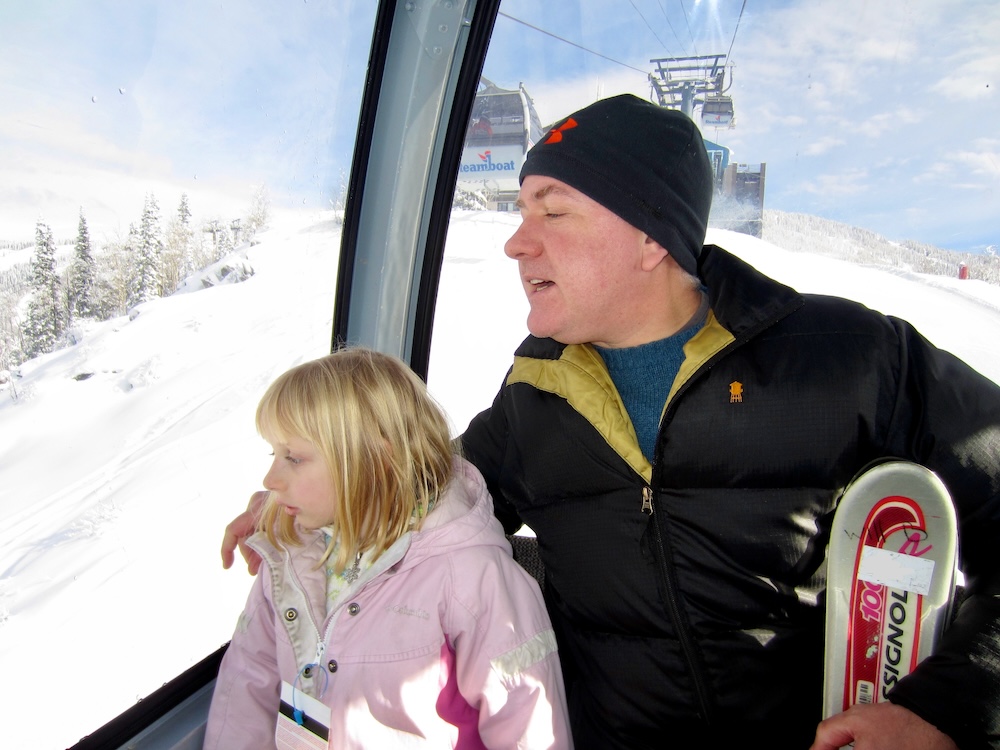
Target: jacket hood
462,517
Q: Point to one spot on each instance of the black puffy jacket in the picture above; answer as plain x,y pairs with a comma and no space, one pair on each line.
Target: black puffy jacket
688,595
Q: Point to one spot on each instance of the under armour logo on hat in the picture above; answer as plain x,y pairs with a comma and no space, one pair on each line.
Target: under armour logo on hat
556,134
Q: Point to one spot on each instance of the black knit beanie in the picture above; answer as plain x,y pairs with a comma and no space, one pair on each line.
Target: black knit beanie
645,163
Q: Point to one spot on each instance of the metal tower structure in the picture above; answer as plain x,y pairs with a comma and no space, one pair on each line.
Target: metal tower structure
692,83
685,83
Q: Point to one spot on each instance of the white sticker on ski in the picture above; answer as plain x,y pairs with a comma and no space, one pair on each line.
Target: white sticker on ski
896,570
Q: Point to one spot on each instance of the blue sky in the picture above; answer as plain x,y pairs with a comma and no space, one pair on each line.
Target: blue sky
881,114
878,114
102,102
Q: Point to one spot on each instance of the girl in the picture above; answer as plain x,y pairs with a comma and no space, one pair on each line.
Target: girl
391,613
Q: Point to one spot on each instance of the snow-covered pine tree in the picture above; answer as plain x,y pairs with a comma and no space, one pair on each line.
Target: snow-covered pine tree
11,335
183,211
226,243
15,284
82,288
148,248
45,321
139,289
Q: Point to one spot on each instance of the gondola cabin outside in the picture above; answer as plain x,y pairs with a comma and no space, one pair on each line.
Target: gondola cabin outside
717,111
502,127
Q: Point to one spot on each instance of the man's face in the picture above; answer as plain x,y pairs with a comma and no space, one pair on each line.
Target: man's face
579,265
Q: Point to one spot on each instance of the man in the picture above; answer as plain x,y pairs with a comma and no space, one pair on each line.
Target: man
677,430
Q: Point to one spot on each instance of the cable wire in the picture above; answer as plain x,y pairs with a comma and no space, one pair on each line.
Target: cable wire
736,30
573,44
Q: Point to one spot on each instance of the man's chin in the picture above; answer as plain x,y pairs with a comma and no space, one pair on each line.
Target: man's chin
540,332
542,329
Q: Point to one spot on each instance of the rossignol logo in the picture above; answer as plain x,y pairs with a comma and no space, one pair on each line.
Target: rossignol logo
885,634
488,165
556,134
899,652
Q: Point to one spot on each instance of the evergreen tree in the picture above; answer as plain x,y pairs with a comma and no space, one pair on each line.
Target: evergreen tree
82,288
148,248
15,285
135,267
45,320
11,335
183,212
226,244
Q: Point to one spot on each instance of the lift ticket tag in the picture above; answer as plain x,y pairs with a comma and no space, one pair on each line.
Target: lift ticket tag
303,721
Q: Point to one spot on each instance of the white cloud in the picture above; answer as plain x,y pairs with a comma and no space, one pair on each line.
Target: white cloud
955,168
847,182
977,163
822,145
968,60
888,122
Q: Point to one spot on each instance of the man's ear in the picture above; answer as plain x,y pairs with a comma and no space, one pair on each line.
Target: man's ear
653,254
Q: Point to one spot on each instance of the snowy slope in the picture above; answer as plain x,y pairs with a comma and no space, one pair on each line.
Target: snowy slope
115,487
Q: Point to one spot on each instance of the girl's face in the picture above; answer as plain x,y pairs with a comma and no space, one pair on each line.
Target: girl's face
300,483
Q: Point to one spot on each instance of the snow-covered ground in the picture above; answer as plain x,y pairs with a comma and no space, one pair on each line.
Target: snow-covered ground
123,457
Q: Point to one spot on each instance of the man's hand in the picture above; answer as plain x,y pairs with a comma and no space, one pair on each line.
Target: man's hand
237,532
880,726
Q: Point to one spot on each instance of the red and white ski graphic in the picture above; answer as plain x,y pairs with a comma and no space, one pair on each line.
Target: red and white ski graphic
891,578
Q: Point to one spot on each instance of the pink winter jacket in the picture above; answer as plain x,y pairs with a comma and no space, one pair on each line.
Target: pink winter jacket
443,643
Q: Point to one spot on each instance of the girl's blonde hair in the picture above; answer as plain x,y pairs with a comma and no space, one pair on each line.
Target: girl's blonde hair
384,439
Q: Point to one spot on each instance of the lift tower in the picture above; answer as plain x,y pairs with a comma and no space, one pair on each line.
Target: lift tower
690,83
685,83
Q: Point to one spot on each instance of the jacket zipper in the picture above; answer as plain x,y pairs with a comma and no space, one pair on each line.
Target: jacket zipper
695,666
674,611
691,656
321,636
320,649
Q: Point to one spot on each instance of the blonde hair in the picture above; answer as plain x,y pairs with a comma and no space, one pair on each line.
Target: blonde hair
384,439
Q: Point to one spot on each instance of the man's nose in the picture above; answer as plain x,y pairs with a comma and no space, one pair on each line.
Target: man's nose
522,243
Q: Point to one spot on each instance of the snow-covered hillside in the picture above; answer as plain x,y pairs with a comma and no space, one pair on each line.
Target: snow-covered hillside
123,456
834,239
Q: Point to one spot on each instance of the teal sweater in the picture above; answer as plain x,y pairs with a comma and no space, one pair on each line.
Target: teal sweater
643,375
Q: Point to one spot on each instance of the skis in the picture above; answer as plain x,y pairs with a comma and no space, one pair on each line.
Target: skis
891,577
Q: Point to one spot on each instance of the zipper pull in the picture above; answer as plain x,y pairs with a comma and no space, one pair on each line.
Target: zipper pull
320,649
647,500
